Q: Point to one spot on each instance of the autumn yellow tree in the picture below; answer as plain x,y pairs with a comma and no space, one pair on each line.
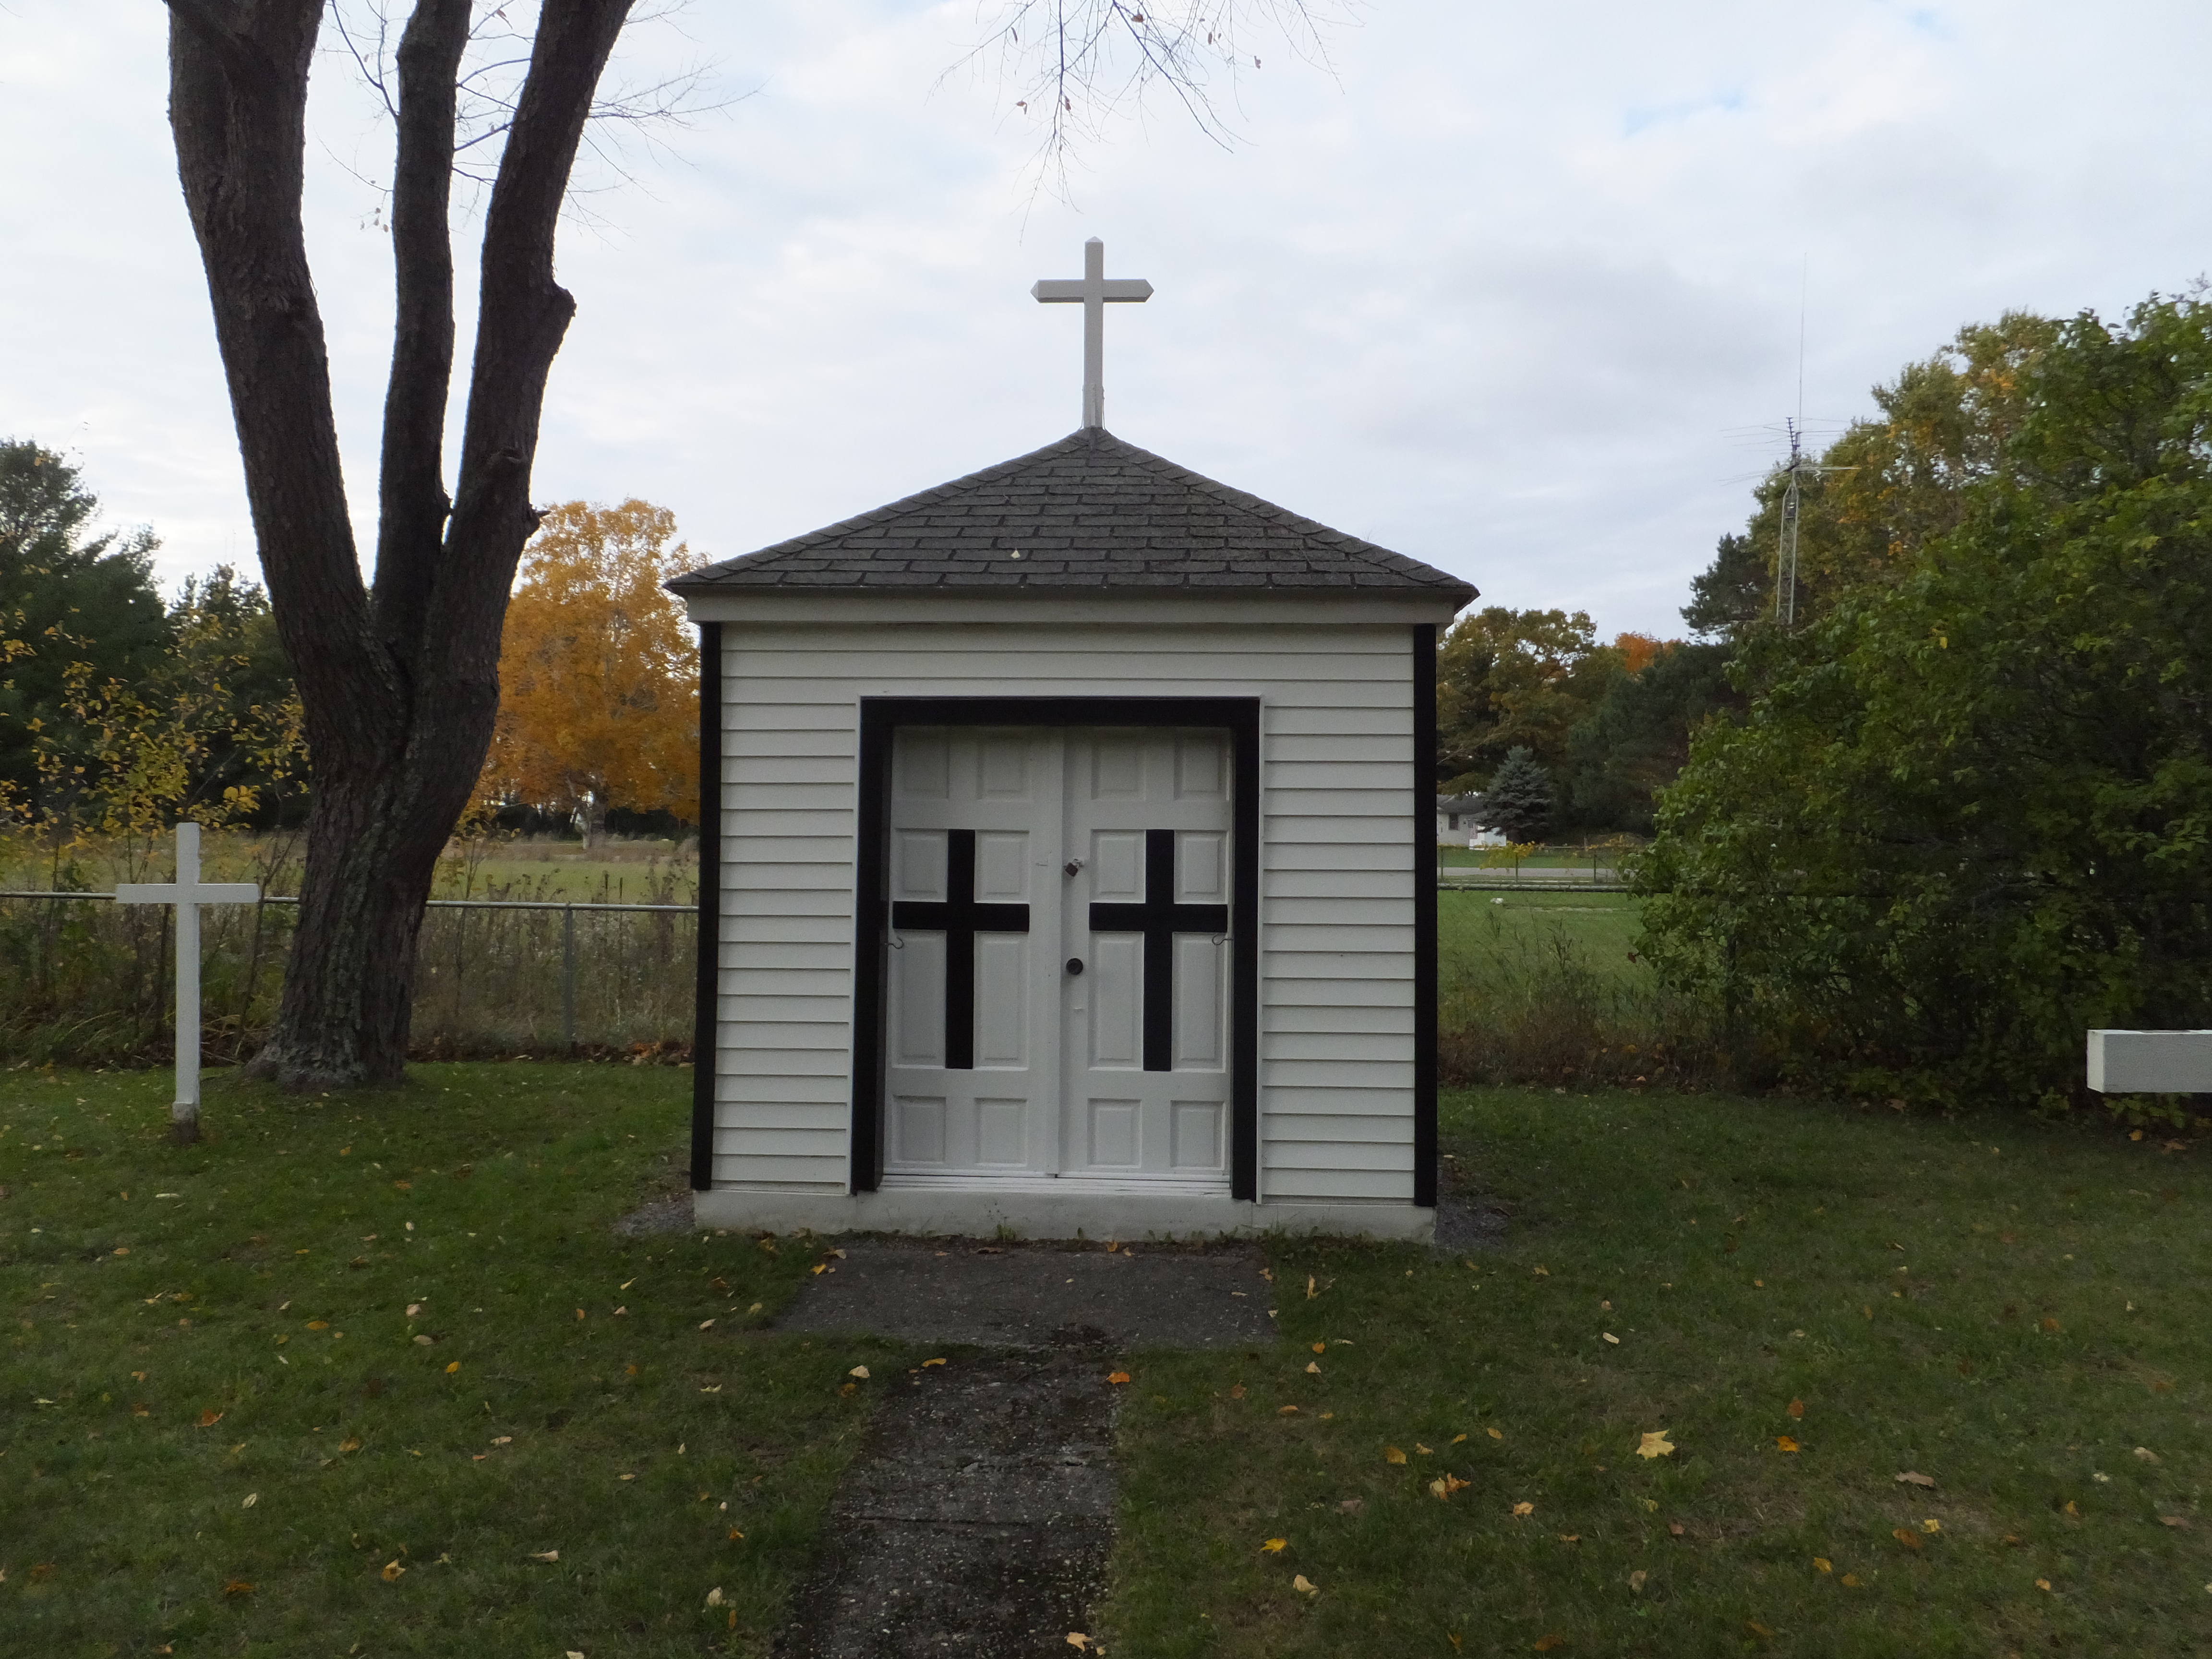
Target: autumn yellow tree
598,671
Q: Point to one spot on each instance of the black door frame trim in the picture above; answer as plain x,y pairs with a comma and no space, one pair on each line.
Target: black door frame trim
881,717
706,1013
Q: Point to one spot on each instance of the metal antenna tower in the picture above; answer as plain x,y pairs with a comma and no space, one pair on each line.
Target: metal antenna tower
1798,469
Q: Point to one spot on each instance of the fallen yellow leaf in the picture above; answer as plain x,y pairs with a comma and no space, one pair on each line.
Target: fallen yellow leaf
2043,1584
209,1417
1310,1291
1419,1448
1286,1411
1910,1540
1635,1580
252,1498
452,1367
391,1571
546,1555
1914,1478
2070,1509
1823,1564
1076,1639
927,1363
715,1596
860,1371
1275,1545
1524,1508
1117,1377
1784,1442
1305,1586
1571,1538
1851,1579
1655,1445
1456,1438
1496,1434
1931,1524
1392,1454
1312,1367
319,1324
1611,1338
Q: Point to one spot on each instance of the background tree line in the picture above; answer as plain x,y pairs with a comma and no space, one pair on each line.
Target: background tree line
121,712
1604,726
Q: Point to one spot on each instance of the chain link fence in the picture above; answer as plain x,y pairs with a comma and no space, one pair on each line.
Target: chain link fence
86,980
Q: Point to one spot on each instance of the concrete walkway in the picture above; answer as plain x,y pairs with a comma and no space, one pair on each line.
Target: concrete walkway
978,1517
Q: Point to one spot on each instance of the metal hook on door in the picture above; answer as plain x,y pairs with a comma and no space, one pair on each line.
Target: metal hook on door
897,943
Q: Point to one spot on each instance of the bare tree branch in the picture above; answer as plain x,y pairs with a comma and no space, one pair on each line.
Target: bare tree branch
1077,64
411,492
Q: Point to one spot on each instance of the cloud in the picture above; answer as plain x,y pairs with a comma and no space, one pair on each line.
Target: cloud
1503,291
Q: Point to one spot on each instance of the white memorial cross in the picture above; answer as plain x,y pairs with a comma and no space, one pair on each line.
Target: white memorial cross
188,892
1094,292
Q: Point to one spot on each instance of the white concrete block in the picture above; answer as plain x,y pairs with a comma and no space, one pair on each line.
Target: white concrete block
2150,1062
979,1212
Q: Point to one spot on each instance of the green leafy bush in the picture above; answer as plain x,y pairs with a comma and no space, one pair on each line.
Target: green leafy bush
1969,815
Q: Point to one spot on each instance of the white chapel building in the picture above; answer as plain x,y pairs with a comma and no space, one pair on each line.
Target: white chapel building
1067,862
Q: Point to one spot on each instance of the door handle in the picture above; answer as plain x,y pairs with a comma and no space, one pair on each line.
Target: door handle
1075,964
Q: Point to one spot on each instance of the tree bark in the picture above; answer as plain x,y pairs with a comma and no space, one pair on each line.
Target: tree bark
399,683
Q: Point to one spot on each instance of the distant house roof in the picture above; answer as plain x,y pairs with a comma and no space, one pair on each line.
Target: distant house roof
1459,803
1089,511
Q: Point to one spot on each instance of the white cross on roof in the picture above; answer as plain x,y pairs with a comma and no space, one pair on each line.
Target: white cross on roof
1094,292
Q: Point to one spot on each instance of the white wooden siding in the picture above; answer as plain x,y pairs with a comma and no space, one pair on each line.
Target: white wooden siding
1337,791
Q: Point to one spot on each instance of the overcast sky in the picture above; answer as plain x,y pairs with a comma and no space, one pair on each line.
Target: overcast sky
1509,289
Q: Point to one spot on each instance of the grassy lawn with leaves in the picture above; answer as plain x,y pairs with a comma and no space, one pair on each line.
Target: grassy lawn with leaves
1808,1302
224,1433
373,1374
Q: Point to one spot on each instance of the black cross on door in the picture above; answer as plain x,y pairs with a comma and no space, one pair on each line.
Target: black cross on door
959,918
1159,919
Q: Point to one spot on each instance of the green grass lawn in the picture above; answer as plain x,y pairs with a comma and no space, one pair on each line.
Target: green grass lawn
335,1379
2009,1310
223,1433
1477,930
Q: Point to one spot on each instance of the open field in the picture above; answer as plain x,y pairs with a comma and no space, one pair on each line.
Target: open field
1602,855
231,1440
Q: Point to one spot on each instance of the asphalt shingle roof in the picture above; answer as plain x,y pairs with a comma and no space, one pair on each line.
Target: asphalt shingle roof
1088,512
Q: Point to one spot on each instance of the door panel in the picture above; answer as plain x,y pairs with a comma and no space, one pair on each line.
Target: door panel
1013,851
970,1067
1147,1076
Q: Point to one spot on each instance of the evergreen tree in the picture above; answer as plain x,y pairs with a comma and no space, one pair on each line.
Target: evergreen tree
67,600
1518,803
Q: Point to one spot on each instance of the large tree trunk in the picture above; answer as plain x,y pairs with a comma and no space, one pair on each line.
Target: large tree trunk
399,683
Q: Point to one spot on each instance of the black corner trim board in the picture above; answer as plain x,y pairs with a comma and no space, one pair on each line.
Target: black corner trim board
706,1015
1425,915
880,717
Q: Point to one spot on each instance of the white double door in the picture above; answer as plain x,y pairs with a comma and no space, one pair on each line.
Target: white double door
1057,958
